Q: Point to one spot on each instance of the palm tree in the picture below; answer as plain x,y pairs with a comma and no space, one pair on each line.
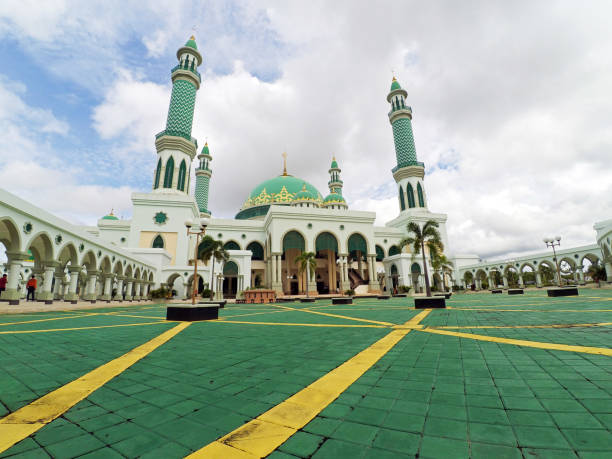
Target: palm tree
439,262
597,272
306,262
208,248
429,235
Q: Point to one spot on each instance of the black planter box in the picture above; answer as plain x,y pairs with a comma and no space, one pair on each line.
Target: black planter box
430,302
285,300
342,300
221,303
189,313
562,291
401,295
497,290
445,295
383,297
307,300
515,291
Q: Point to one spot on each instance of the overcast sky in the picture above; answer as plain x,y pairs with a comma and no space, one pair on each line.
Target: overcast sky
511,105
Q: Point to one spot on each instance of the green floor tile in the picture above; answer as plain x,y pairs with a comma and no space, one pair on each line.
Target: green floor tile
302,444
589,440
540,437
447,428
491,433
402,442
435,447
489,451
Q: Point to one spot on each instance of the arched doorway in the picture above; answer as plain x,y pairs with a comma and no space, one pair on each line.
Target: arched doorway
257,264
326,275
230,279
394,250
293,282
358,251
394,279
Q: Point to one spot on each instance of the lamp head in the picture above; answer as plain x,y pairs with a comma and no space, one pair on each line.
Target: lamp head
188,223
558,238
545,240
204,222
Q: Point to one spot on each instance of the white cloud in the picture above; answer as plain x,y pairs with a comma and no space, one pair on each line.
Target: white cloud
510,109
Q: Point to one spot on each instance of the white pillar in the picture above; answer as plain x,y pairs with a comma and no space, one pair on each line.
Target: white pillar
520,280
45,293
73,284
92,279
128,290
273,269
119,294
279,271
538,279
15,263
505,279
59,280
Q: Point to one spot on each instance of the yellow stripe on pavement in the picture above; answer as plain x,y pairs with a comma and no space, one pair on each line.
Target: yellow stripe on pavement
264,434
27,420
19,332
338,316
297,324
520,342
602,324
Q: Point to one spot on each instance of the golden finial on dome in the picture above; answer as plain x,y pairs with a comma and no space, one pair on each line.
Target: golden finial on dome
111,213
333,157
284,155
304,187
192,38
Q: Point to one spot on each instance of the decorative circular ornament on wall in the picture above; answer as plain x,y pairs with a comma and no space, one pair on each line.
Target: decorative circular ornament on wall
58,239
160,218
243,236
341,227
99,253
81,247
123,239
385,241
27,227
220,235
310,226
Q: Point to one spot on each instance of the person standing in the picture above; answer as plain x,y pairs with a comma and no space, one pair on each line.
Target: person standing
3,281
31,286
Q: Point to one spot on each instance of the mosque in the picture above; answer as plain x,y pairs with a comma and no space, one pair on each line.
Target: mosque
282,217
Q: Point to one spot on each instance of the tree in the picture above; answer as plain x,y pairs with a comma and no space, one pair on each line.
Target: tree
597,272
439,262
429,235
306,261
212,248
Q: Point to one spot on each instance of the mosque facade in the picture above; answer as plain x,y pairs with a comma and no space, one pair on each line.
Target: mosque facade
282,217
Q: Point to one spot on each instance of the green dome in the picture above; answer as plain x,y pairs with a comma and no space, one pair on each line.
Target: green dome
334,164
280,190
205,149
110,216
333,198
305,195
191,43
395,85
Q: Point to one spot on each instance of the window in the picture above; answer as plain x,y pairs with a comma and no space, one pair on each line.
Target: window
158,242
169,173
401,194
181,177
420,193
157,174
410,193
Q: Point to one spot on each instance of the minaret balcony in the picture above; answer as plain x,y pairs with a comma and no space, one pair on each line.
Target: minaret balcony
177,134
189,69
407,164
335,182
407,108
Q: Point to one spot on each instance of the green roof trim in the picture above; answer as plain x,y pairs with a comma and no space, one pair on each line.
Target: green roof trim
109,217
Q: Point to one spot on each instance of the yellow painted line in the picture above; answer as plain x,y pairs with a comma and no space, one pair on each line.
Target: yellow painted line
138,317
27,420
19,332
297,324
520,342
264,434
272,311
338,316
45,320
602,324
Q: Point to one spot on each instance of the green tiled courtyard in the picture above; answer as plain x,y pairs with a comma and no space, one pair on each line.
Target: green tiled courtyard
432,395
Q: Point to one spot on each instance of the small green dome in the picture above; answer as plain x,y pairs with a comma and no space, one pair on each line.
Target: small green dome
205,149
191,43
395,85
305,195
334,198
334,164
110,216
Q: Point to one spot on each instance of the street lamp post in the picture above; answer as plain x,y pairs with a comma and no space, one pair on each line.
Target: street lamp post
199,230
556,242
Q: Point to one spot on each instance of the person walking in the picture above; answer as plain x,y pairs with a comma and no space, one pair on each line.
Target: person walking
31,286
3,281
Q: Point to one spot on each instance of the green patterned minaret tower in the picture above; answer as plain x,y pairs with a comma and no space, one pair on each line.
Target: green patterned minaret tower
335,184
409,172
203,173
175,146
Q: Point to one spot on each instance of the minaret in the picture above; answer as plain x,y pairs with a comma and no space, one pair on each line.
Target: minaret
409,172
203,173
335,184
175,146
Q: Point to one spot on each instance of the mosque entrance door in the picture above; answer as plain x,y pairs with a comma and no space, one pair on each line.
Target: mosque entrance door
230,280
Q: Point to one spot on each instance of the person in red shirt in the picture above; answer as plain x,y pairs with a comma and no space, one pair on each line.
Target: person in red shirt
31,286
3,281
